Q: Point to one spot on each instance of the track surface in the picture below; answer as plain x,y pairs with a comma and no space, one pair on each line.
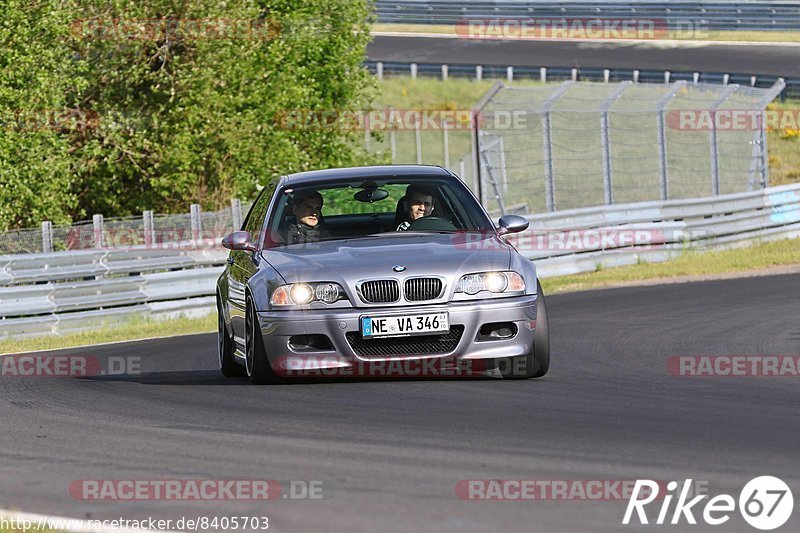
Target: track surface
390,453
742,59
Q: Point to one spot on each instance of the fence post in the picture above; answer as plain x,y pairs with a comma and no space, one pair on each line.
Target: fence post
547,135
367,134
97,227
194,212
714,142
147,224
662,137
605,141
47,236
446,143
418,139
236,212
379,69
462,169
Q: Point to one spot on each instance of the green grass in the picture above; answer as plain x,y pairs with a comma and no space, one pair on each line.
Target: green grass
137,329
692,263
730,35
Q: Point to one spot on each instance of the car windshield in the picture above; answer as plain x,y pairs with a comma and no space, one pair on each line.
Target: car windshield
368,207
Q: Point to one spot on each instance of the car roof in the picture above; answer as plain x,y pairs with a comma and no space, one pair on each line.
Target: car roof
378,171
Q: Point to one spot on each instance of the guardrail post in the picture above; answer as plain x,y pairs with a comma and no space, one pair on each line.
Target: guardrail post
635,76
149,233
413,69
379,69
47,236
236,213
462,169
97,227
445,72
726,78
510,74
574,75
547,136
714,142
543,74
696,78
605,141
478,72
196,223
418,139
606,75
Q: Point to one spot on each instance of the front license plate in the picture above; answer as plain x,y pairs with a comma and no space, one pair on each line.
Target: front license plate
392,326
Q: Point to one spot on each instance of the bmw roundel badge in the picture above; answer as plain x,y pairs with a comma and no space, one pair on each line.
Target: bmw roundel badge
399,268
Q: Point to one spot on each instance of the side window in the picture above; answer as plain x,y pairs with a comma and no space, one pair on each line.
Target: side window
254,222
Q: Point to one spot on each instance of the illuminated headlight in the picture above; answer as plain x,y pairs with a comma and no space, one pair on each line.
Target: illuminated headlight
494,282
306,293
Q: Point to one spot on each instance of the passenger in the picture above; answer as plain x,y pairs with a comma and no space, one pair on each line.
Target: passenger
308,226
417,203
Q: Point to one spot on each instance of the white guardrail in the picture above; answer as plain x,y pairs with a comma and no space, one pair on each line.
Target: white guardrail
64,292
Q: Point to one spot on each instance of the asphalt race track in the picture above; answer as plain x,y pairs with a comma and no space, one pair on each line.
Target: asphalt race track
769,59
389,453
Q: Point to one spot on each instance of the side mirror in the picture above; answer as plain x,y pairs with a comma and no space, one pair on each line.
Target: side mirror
512,224
239,240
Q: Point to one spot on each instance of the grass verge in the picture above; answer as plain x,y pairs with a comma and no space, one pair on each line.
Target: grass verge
723,36
137,329
691,264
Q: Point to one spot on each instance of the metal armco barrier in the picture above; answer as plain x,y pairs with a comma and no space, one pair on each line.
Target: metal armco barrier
748,15
66,292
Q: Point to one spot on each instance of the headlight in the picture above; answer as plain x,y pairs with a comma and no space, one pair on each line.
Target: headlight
305,293
494,282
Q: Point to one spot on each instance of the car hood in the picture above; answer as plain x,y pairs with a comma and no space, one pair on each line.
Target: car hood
348,261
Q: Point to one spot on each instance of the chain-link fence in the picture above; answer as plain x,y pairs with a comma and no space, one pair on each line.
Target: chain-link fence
184,230
580,144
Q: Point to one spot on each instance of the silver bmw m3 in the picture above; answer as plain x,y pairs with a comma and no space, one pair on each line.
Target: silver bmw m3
386,271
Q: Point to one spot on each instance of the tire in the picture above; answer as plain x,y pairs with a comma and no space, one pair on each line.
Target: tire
537,362
227,362
258,369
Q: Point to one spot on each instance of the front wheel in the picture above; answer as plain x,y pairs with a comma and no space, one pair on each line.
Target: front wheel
227,364
537,362
258,369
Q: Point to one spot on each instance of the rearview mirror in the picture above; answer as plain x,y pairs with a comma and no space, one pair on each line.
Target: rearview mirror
239,240
512,224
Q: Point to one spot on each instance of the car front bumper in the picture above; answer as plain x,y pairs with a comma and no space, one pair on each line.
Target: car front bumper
469,356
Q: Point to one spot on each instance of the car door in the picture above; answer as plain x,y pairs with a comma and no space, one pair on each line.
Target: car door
243,265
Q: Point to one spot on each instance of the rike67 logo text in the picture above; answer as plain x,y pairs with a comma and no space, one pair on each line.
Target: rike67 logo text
765,503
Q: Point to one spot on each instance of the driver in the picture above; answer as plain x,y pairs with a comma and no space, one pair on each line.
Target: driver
418,203
307,209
